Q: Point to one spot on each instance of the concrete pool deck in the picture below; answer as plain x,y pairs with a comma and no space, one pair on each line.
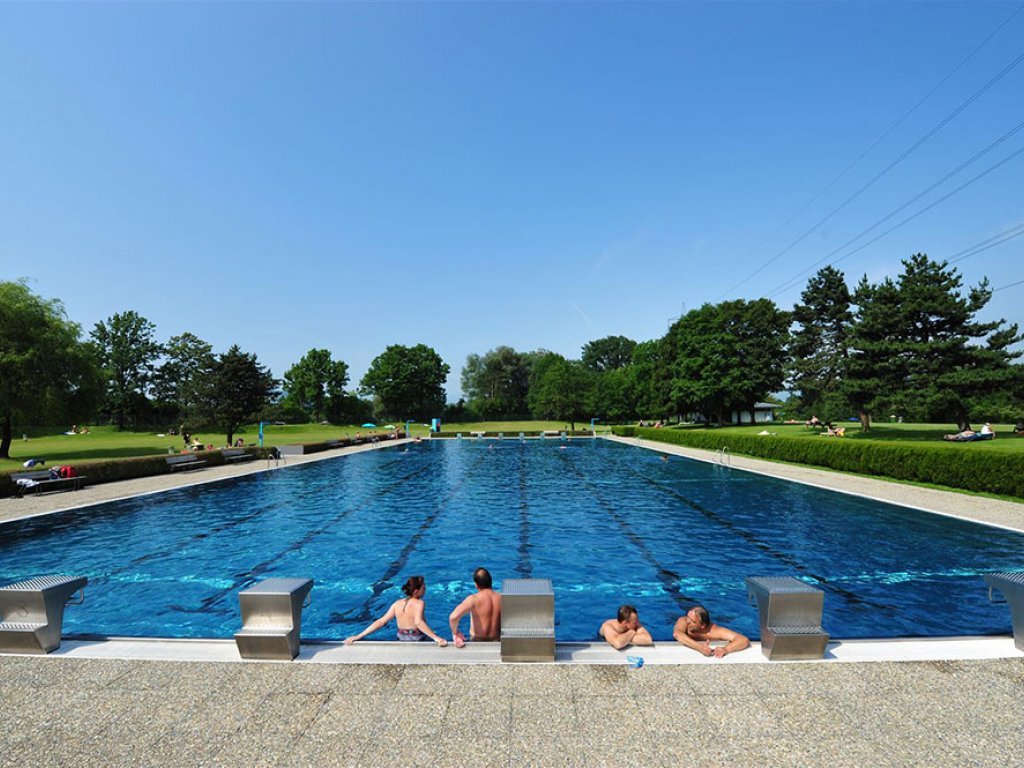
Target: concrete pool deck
181,703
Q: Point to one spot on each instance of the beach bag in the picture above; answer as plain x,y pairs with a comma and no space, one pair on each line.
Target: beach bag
67,472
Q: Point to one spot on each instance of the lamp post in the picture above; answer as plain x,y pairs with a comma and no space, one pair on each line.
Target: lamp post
592,427
408,434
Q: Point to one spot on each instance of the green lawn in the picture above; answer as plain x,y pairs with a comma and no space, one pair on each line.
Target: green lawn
887,432
107,443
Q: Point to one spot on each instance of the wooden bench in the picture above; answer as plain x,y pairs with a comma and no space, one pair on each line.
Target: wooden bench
184,461
272,618
41,482
32,612
236,454
789,613
527,620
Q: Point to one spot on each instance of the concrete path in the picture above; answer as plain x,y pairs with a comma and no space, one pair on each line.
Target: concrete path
94,712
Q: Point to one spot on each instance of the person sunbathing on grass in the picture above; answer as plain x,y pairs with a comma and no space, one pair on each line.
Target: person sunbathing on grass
963,436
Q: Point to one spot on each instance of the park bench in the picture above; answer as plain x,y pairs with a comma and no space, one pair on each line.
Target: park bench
236,454
527,620
184,461
32,612
272,618
1012,586
40,482
789,612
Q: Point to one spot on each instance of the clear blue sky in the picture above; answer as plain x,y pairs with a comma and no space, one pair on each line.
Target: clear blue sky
288,176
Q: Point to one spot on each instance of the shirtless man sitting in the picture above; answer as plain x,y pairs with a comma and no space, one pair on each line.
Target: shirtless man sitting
695,630
484,609
625,629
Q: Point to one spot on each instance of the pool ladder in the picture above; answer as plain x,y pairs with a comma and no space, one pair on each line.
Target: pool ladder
723,456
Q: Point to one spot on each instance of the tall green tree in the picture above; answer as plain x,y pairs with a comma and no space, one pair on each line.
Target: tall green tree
407,382
649,379
316,384
42,358
820,342
497,383
727,356
237,390
608,354
918,349
179,382
561,389
128,352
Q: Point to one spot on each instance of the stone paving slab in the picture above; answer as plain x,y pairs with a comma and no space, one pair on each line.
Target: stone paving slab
201,714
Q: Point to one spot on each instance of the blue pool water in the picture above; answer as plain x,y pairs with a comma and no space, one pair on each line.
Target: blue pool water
607,523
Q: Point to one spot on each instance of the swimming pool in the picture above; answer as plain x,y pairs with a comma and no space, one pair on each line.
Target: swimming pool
608,523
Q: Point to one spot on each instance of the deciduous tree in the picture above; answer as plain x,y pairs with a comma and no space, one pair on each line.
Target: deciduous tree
497,384
128,352
42,359
608,354
316,384
407,382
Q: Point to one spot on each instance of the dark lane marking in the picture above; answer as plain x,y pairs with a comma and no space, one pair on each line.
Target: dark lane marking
364,613
524,567
669,579
752,538
226,525
245,579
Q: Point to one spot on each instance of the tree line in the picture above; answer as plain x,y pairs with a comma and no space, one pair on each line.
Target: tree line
910,345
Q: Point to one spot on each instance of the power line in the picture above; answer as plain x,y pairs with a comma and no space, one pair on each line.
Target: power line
792,281
967,163
1011,285
1008,234
893,164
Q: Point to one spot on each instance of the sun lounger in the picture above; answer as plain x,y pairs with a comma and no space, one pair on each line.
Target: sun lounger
40,482
527,620
789,613
272,618
32,612
1012,586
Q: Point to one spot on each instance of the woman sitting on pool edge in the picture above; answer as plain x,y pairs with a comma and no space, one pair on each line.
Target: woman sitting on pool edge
408,614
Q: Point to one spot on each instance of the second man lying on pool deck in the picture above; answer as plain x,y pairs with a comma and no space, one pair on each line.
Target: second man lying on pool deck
408,614
484,609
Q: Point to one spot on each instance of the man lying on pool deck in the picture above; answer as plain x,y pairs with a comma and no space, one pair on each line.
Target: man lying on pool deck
695,630
484,609
625,629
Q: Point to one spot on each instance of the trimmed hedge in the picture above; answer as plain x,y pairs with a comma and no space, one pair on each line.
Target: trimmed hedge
962,467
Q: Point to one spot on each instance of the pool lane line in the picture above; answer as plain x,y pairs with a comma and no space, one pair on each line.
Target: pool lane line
248,578
364,612
524,567
220,528
669,579
752,538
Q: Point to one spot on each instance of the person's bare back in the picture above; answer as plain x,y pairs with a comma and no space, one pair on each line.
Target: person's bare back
484,609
